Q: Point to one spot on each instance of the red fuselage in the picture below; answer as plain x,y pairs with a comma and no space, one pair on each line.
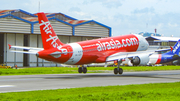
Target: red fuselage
93,51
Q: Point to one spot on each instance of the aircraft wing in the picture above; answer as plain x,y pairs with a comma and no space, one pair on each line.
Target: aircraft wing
123,55
160,50
130,55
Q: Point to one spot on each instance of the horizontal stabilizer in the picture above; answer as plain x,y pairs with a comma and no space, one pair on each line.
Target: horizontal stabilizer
26,48
26,52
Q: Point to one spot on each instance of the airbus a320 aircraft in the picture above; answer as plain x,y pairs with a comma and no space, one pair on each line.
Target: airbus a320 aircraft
85,52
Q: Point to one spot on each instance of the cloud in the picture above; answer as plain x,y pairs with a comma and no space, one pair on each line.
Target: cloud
144,10
112,3
172,24
123,16
74,9
105,3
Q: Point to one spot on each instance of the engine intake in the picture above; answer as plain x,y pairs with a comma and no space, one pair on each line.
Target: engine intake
142,59
135,61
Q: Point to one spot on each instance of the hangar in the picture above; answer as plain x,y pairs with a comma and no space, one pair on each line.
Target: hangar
21,28
162,41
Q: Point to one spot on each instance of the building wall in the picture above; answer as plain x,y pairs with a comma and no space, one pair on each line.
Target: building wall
59,28
33,43
11,25
64,39
91,30
9,57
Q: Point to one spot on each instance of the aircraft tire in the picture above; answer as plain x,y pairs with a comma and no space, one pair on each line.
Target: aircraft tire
80,70
115,70
120,70
84,70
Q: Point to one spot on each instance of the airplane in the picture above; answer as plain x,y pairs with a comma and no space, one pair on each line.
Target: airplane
172,55
154,58
85,52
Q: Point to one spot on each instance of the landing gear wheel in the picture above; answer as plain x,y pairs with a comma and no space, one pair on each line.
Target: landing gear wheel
84,70
115,70
80,70
120,70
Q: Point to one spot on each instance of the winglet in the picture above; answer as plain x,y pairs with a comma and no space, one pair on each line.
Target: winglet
9,46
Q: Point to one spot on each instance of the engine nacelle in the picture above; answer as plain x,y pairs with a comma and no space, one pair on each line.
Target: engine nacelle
142,59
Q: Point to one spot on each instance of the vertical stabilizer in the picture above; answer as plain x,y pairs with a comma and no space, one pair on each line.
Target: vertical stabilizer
49,37
176,48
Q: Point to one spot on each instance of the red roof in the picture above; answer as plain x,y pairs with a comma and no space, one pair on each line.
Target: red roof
3,11
32,19
75,21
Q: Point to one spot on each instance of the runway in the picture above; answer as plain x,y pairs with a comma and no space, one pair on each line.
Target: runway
61,81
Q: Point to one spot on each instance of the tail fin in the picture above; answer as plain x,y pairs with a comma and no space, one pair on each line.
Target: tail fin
49,37
176,48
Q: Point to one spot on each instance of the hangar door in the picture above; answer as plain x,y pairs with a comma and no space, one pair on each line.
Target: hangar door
1,48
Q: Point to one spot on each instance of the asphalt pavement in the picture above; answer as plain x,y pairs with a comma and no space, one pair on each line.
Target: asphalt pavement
61,81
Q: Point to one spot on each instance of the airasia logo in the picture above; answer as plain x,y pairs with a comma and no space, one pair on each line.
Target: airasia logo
115,44
48,31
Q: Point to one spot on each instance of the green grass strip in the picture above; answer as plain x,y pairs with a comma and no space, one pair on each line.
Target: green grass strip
65,70
141,92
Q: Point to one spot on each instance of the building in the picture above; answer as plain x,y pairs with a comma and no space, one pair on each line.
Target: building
147,34
162,41
21,28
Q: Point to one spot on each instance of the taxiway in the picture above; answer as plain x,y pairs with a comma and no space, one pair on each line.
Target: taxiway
61,81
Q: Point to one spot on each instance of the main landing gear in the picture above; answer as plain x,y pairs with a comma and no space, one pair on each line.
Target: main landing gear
118,70
82,69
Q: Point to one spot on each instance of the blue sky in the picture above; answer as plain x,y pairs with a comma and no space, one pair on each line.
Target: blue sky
123,16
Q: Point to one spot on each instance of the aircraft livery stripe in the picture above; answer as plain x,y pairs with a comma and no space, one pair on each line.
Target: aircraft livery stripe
77,54
159,59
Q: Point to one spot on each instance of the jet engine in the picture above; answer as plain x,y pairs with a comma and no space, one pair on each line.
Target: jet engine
142,59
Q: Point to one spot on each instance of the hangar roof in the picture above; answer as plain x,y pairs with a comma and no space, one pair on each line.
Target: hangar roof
163,39
32,19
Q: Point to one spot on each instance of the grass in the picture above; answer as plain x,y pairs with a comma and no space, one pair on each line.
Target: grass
142,92
65,70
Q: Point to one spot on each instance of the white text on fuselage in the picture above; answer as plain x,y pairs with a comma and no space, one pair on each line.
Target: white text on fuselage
115,44
48,31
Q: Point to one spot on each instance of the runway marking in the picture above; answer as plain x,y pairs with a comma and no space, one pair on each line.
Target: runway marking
3,86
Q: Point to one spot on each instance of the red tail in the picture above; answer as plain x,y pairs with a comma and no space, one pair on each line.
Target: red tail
49,37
